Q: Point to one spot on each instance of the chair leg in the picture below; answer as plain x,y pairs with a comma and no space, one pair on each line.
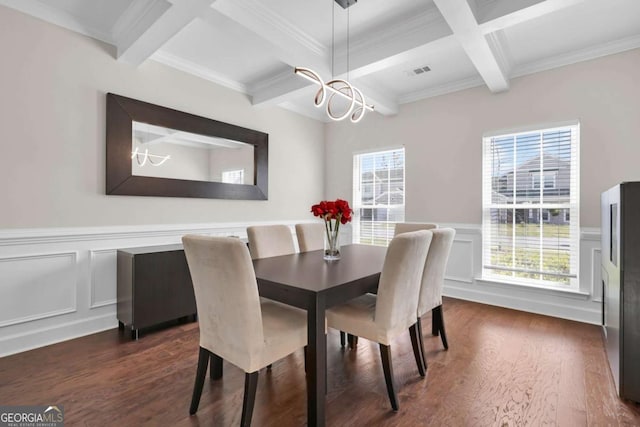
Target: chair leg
437,312
353,340
385,355
421,343
201,373
435,328
342,339
413,332
215,373
250,387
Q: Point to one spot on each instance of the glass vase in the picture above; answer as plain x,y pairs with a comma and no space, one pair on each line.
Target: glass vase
331,241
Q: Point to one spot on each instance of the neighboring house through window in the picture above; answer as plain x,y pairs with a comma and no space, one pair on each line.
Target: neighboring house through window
233,177
530,206
378,195
549,177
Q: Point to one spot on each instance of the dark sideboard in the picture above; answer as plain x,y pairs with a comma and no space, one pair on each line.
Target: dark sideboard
620,249
154,286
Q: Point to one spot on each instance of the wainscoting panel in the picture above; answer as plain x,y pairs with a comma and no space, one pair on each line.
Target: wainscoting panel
36,287
463,280
460,266
68,288
103,276
58,284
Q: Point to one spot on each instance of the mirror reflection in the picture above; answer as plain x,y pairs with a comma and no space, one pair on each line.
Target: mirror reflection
169,153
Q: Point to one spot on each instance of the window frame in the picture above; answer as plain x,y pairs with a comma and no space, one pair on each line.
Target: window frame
571,208
357,194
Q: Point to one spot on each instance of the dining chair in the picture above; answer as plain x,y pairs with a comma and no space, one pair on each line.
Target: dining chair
400,227
310,236
405,227
235,325
384,316
431,286
270,240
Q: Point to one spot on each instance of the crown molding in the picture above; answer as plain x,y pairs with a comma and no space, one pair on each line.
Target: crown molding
415,25
271,20
593,52
57,17
598,51
500,47
197,70
274,79
132,17
442,89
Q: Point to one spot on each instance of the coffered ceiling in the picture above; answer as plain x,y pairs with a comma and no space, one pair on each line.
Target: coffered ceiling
251,46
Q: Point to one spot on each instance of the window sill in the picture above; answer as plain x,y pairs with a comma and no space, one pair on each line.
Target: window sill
538,288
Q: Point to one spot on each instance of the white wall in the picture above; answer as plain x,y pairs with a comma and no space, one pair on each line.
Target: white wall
443,139
52,134
59,232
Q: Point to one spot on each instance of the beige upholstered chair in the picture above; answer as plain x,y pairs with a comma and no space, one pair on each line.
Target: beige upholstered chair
400,227
432,279
270,240
405,227
432,282
234,324
310,236
383,317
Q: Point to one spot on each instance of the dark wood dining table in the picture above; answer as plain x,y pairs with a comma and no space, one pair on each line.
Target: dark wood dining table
305,280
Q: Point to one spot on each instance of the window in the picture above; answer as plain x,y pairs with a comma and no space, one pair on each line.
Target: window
233,177
549,177
545,215
531,224
378,195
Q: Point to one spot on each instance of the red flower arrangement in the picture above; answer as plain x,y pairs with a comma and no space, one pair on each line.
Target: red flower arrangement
338,210
334,214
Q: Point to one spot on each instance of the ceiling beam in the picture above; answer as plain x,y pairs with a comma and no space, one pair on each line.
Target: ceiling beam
501,14
148,24
386,48
278,88
462,21
291,43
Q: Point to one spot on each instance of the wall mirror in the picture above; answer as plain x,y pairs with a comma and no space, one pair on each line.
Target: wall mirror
157,151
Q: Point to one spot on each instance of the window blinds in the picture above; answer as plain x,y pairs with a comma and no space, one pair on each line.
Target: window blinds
378,195
531,206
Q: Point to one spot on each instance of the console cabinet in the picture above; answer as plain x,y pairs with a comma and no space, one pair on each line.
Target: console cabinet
154,286
620,252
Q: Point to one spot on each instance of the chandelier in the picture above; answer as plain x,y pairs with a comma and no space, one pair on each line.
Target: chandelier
335,89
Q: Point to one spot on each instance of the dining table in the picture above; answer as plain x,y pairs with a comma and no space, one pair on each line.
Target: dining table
307,281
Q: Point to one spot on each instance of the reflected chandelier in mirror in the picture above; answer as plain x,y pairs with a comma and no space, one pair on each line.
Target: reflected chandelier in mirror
157,151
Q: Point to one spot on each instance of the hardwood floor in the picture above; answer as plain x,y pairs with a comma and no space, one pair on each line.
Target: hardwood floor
503,368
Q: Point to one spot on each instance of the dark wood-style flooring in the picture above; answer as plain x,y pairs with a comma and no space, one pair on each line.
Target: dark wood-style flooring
503,368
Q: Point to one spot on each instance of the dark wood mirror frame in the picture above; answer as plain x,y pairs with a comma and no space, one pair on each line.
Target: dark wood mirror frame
122,112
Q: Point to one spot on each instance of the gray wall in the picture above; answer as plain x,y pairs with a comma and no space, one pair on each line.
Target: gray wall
52,125
443,136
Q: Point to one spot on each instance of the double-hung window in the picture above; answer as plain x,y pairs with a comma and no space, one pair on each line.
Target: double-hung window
378,195
531,206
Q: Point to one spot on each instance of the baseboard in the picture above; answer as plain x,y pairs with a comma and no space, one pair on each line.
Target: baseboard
571,310
36,338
